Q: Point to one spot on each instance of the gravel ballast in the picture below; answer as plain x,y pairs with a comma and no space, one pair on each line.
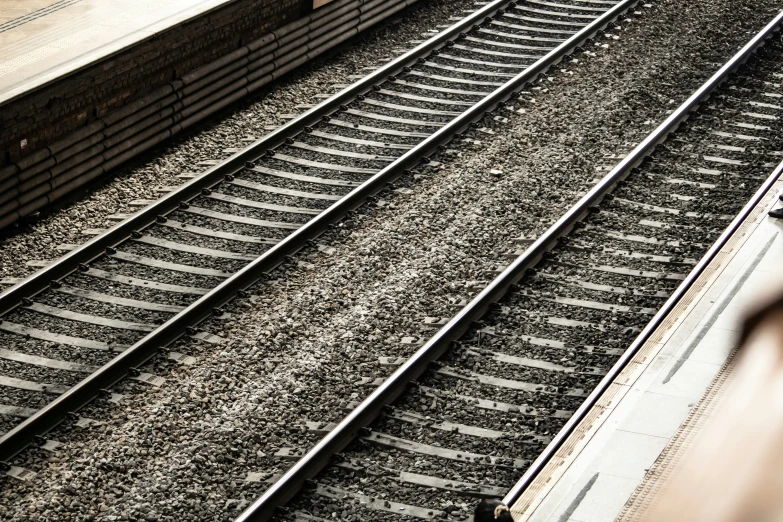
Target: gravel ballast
183,451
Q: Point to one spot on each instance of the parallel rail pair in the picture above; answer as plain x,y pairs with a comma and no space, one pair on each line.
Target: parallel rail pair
108,244
350,428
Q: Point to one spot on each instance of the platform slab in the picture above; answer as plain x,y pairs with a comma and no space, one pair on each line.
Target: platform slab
41,40
593,478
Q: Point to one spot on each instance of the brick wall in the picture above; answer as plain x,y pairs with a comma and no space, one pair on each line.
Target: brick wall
50,112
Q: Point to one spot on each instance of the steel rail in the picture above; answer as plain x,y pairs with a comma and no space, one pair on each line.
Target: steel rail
619,172
118,368
321,454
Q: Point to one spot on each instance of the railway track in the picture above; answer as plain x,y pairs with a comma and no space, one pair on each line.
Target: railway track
498,403
94,316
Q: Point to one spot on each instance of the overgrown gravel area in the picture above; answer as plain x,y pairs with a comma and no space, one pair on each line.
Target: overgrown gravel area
183,451
209,142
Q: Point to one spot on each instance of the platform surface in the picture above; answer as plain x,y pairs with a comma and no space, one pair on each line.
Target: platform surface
600,467
41,40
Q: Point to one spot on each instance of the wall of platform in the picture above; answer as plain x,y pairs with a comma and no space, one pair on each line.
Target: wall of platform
48,113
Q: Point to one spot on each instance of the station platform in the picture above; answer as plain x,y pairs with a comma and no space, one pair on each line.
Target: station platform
42,40
616,461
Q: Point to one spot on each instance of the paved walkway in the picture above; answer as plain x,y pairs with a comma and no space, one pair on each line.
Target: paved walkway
41,40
